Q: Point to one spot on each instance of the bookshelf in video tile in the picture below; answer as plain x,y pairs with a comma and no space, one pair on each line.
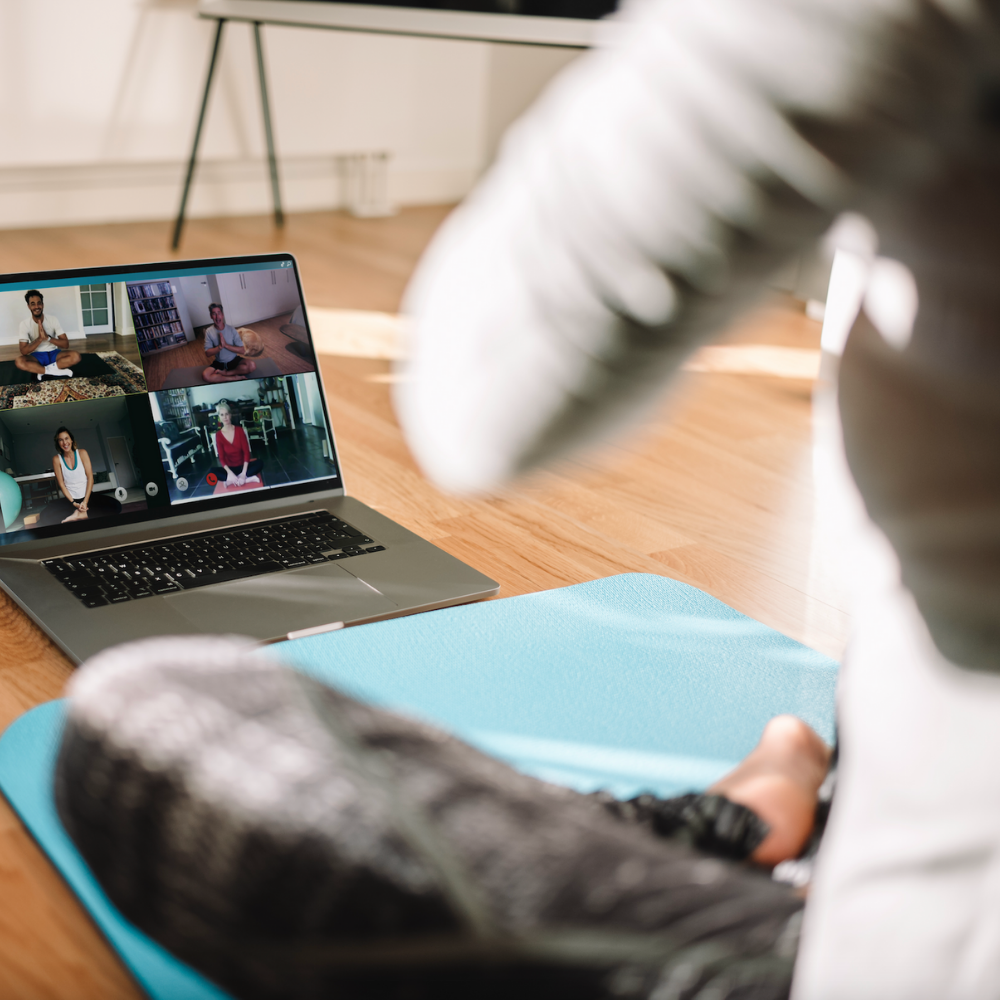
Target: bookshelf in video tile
155,317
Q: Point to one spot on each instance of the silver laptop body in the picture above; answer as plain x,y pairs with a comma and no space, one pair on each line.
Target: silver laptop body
150,429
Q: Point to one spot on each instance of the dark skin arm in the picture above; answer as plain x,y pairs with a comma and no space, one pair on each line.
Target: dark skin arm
60,341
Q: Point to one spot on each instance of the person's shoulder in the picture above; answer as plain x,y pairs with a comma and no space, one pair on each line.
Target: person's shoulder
211,333
24,329
53,322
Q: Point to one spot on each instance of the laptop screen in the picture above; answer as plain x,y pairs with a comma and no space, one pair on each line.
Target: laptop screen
141,392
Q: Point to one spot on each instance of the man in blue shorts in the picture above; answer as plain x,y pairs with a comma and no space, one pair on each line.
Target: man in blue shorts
225,350
44,345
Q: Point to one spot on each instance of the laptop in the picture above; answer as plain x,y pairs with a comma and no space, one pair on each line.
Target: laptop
167,464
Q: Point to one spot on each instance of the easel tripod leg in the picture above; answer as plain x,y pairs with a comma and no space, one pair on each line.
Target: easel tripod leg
179,225
279,215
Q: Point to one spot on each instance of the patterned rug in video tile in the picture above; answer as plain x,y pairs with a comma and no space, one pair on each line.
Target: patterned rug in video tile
98,376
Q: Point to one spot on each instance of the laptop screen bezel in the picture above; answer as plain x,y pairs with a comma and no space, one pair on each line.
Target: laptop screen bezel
158,514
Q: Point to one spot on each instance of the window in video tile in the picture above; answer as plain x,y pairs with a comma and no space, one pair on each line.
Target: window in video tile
216,329
71,464
67,344
219,440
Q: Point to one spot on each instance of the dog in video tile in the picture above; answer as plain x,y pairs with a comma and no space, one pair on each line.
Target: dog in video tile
217,440
219,328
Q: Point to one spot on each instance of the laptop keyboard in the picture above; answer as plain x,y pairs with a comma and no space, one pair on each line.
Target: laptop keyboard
113,576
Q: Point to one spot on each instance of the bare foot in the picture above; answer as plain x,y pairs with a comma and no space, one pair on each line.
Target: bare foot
77,515
779,780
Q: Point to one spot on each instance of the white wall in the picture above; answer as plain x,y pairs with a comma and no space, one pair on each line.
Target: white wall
197,296
63,303
101,98
312,407
517,75
124,326
249,296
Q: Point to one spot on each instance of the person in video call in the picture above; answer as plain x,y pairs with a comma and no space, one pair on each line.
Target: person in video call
233,449
225,349
44,345
75,477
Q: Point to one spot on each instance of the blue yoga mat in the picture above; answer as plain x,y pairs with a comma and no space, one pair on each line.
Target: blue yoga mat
631,683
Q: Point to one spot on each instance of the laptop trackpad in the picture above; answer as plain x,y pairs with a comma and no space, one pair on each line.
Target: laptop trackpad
271,606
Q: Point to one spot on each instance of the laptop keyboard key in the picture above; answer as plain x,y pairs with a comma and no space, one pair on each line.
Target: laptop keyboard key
198,560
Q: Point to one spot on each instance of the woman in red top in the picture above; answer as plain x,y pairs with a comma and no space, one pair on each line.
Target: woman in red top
233,449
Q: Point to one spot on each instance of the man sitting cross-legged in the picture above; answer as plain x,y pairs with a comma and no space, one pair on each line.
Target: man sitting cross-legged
225,350
44,345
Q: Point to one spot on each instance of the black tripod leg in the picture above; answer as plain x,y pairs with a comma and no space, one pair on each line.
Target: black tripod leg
279,216
179,225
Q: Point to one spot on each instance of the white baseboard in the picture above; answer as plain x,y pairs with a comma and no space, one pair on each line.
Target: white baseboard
133,192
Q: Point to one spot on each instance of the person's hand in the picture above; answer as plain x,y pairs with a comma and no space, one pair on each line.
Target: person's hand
83,506
231,479
241,479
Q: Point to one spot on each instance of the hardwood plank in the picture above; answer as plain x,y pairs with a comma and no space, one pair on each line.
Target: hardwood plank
49,946
125,346
345,262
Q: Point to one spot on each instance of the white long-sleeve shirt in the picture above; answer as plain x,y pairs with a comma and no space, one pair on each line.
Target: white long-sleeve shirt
645,200
639,206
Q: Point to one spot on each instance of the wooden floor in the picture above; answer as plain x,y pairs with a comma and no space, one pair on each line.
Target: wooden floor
345,262
717,490
125,346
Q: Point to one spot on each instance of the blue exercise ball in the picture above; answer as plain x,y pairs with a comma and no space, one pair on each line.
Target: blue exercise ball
10,499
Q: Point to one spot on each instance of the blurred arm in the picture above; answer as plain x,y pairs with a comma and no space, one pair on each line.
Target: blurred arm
643,202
